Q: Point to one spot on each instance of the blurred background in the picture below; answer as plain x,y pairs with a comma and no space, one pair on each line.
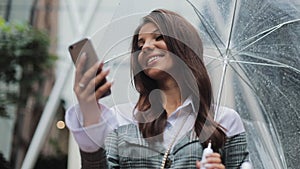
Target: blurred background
37,74
36,78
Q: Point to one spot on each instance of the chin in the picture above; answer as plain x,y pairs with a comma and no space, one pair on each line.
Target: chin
156,74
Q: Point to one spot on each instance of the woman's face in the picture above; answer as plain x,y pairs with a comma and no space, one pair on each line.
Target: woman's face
154,57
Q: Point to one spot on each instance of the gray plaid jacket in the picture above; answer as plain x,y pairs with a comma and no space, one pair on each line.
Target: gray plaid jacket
125,148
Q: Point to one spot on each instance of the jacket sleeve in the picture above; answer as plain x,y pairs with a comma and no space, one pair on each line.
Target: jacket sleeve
111,146
103,158
93,160
235,151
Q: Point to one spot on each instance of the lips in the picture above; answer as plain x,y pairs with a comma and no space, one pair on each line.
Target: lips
152,59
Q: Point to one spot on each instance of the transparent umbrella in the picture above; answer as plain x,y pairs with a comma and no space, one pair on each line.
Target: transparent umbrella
251,50
252,47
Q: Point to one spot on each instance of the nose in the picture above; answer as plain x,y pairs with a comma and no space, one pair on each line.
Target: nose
148,46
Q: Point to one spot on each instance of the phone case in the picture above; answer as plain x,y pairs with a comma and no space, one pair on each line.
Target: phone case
85,45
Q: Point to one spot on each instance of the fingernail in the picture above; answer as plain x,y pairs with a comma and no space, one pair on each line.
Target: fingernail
112,81
106,69
83,54
101,61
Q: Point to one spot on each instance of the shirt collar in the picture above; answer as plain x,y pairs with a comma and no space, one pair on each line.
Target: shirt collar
187,107
181,111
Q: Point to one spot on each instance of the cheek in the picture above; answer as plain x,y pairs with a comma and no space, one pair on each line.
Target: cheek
163,45
139,60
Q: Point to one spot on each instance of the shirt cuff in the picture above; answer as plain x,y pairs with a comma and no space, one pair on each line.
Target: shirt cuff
90,138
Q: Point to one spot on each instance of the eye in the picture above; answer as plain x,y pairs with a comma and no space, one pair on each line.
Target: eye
140,44
159,37
140,47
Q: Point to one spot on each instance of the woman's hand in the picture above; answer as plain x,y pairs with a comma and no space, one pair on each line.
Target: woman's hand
213,161
84,88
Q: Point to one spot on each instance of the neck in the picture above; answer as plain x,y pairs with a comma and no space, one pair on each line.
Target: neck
171,96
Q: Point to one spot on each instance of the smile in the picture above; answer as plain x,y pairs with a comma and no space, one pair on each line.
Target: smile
153,59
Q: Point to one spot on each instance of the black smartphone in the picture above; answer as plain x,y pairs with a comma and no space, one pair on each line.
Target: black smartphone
85,45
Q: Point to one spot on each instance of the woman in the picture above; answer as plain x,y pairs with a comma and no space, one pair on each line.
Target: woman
172,120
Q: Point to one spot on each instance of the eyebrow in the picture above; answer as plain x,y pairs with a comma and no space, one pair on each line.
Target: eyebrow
153,32
156,30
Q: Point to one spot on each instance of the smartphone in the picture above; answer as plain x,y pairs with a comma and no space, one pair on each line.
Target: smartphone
85,45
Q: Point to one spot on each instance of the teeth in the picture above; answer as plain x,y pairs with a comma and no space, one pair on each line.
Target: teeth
152,59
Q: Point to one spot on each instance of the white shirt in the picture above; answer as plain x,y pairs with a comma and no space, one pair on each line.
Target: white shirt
90,138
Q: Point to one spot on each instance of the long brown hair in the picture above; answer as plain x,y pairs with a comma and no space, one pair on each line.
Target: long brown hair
183,41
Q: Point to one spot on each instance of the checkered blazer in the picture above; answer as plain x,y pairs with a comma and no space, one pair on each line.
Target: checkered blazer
125,148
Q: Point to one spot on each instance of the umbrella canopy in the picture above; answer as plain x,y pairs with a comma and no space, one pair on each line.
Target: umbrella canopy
251,49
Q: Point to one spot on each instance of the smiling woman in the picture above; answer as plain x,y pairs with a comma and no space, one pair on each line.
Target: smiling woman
153,54
171,123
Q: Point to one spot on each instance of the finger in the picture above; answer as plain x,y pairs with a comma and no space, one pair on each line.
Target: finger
95,81
103,89
214,166
88,79
213,155
101,75
80,62
79,68
91,72
79,73
213,158
198,164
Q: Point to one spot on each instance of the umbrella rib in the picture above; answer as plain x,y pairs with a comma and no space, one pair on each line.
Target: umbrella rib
259,100
270,31
241,77
258,63
211,68
225,61
117,56
266,32
202,19
220,89
213,57
251,87
275,63
231,27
